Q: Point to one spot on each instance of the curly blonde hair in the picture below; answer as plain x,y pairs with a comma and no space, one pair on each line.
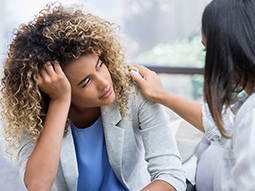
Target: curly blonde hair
62,34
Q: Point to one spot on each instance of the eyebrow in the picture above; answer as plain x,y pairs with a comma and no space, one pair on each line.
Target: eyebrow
88,75
97,62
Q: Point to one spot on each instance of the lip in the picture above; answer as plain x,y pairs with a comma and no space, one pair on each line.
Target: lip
107,93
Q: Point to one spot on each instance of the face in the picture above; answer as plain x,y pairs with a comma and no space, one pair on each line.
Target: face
249,88
90,81
203,39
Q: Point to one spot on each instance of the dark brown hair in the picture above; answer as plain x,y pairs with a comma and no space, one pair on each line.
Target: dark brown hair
228,26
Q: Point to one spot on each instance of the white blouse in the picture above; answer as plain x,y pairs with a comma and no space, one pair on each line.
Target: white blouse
238,172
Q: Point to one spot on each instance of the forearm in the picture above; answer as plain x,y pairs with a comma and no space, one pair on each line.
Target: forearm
189,110
159,185
43,163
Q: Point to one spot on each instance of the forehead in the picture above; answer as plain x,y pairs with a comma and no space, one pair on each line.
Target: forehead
83,61
203,37
81,66
86,59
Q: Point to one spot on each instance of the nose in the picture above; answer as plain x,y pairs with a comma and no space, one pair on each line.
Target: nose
102,82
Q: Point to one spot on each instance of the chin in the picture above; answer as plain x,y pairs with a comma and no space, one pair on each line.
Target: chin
111,99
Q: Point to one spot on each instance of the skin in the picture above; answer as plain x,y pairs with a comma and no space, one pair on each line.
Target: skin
78,91
88,96
46,154
152,88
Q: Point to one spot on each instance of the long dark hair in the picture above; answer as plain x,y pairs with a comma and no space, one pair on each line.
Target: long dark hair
229,28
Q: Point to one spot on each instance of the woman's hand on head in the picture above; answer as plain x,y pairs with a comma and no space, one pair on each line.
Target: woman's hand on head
150,85
54,82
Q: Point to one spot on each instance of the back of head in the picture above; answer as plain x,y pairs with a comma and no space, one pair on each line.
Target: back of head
229,28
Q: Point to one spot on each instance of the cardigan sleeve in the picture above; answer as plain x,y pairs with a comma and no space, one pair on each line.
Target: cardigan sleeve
161,152
25,150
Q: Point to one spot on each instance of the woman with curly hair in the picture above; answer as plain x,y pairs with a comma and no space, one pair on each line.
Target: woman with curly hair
74,117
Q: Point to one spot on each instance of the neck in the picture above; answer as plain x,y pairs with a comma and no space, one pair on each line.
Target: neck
249,88
85,118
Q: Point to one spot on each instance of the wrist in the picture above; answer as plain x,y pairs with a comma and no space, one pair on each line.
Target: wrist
161,96
63,100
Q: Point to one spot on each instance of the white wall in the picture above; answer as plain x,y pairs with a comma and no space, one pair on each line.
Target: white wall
2,11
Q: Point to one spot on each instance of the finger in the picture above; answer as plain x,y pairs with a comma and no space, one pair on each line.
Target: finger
137,79
43,72
44,76
39,79
143,70
57,67
49,69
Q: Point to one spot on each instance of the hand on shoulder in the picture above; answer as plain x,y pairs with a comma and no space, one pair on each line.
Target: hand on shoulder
150,83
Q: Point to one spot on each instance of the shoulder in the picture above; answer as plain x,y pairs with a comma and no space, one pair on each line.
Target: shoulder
247,108
135,98
138,102
139,106
245,119
136,93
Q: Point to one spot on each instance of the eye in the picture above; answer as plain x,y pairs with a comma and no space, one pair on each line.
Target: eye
86,83
100,66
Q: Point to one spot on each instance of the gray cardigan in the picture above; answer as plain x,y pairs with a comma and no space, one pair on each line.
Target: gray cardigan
141,149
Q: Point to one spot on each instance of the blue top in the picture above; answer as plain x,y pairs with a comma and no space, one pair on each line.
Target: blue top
95,172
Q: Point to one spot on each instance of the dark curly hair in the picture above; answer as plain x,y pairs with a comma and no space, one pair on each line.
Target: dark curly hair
62,34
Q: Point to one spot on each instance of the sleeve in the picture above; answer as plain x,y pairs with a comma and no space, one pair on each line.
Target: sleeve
211,131
161,153
25,150
243,148
203,145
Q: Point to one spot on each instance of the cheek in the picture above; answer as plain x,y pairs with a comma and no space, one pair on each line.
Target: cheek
107,73
83,97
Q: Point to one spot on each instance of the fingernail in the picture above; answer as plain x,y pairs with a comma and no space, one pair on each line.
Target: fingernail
127,73
56,62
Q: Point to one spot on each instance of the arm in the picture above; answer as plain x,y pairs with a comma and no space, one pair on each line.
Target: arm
152,88
159,185
161,152
42,165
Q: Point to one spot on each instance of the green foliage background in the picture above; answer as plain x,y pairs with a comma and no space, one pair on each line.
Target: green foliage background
186,52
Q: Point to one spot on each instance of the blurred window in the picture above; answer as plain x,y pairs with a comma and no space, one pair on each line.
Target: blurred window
157,32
